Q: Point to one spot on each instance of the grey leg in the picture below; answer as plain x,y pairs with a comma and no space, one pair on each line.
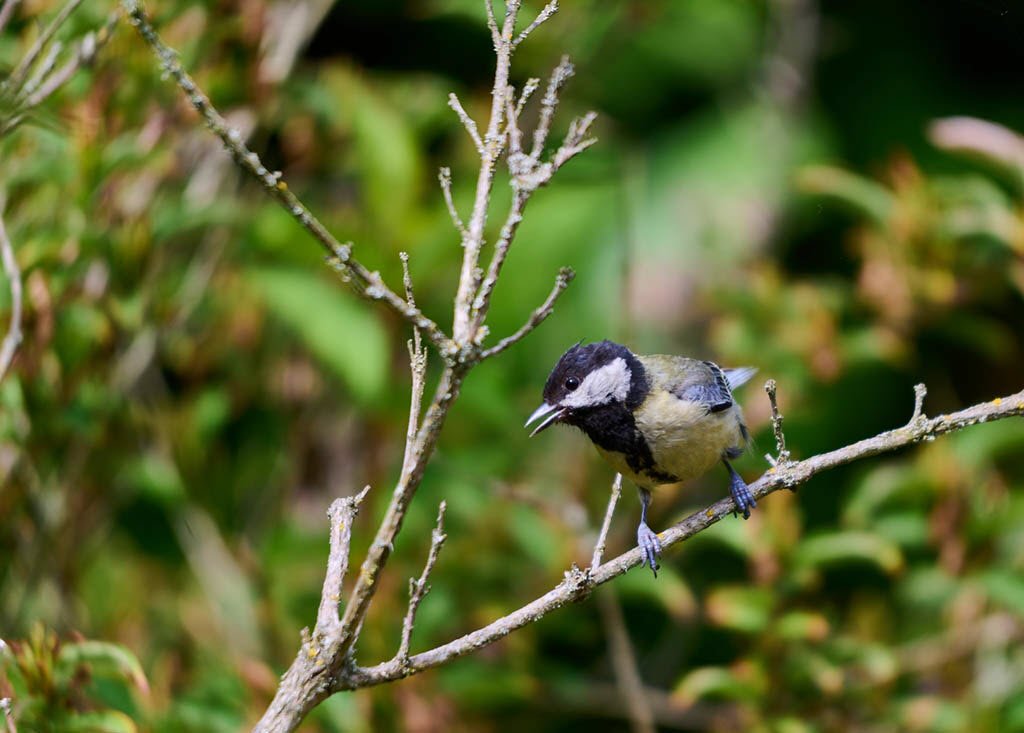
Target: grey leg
740,492
645,537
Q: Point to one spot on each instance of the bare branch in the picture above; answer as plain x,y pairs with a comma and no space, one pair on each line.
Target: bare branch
6,11
550,9
13,272
84,54
418,367
342,512
365,283
528,89
549,104
467,122
418,589
602,536
565,276
920,392
627,676
21,71
5,706
492,24
445,177
577,583
780,439
463,328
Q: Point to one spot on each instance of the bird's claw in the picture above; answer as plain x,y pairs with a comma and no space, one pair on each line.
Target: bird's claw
650,547
742,496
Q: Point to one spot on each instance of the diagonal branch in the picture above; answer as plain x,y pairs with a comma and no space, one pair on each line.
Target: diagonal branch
565,276
6,11
602,536
577,583
341,513
418,589
550,9
366,284
21,71
13,272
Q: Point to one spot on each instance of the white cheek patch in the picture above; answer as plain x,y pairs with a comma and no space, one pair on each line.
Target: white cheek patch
610,382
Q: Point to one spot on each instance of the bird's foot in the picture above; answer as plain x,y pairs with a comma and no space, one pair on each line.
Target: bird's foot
741,495
650,546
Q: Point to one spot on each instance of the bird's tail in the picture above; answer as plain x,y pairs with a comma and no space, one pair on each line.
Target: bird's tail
739,375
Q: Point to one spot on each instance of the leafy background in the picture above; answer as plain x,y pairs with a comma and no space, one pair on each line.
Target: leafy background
769,189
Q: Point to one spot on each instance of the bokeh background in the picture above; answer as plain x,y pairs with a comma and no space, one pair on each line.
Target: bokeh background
777,183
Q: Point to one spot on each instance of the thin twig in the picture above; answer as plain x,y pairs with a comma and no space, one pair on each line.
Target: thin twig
13,272
84,55
577,583
920,392
6,11
780,439
418,589
467,122
365,283
627,676
341,513
418,367
21,71
602,536
550,9
548,104
528,89
6,707
565,276
445,178
463,328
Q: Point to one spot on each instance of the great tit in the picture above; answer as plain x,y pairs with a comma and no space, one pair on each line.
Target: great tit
656,419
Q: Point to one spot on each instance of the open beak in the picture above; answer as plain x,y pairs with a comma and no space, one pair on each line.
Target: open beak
552,412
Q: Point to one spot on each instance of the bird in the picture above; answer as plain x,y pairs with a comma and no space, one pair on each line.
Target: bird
656,419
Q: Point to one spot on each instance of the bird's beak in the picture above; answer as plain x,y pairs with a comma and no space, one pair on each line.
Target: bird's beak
552,412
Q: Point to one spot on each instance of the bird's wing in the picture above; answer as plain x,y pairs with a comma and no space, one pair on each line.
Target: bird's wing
691,380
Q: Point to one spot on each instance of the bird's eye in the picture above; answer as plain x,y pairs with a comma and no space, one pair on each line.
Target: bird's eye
572,383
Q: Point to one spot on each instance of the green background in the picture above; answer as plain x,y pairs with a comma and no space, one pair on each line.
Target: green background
195,385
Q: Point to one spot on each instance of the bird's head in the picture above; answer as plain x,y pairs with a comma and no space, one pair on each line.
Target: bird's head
587,377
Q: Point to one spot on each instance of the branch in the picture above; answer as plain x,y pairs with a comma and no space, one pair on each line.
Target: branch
418,589
780,439
550,9
467,122
6,11
490,149
21,71
602,536
445,178
365,283
565,276
577,584
84,55
6,707
342,512
418,367
627,676
13,272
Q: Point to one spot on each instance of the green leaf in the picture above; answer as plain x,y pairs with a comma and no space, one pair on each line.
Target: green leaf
1005,588
843,547
860,194
712,682
104,659
342,333
154,476
740,608
671,591
106,721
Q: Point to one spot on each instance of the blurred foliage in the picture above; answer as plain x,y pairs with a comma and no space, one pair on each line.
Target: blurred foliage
770,188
